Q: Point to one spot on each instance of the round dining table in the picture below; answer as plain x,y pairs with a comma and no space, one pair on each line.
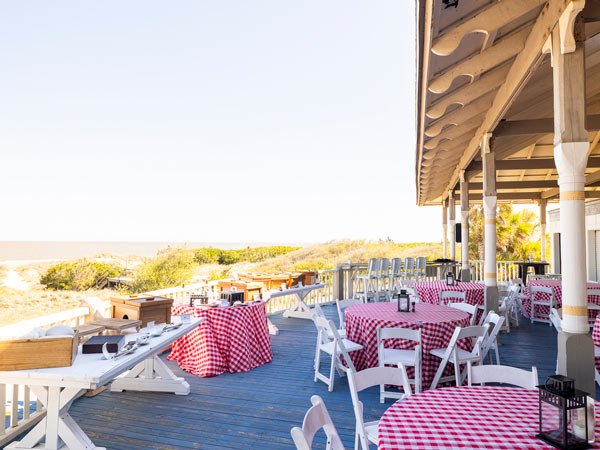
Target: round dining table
436,322
477,417
429,291
556,286
230,339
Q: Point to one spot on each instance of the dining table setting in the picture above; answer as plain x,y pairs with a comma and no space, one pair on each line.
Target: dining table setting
229,339
436,322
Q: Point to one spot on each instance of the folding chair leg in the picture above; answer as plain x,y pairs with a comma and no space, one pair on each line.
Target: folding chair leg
331,374
439,373
497,353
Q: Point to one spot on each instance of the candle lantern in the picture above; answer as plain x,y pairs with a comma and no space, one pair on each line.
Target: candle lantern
450,278
563,414
403,301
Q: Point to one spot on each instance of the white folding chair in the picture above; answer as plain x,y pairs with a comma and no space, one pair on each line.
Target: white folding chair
341,309
535,293
383,279
502,374
366,432
490,342
388,356
368,281
555,319
456,296
318,312
421,268
466,307
335,348
316,417
457,356
409,268
395,273
595,292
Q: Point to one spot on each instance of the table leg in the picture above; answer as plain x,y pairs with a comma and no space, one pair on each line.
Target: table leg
151,375
300,310
57,429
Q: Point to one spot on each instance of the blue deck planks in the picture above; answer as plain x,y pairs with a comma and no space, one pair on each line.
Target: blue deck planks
257,409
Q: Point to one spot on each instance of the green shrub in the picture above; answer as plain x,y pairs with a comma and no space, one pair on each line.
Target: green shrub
77,276
168,269
228,257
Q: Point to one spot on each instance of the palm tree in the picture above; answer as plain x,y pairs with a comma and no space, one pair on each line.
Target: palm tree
517,234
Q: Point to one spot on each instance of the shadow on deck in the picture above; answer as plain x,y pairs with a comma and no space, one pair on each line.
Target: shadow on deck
257,409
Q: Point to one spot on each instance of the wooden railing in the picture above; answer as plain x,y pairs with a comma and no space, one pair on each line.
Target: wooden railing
507,270
22,411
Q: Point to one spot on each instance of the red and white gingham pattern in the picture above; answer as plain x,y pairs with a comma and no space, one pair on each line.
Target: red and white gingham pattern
556,286
596,337
429,291
437,324
481,417
230,339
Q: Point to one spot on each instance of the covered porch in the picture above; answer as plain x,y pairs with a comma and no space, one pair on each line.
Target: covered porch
507,111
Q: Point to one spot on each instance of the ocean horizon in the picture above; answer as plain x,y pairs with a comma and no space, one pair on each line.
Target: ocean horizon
34,250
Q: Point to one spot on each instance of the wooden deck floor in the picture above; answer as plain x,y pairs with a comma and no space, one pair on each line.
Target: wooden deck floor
256,410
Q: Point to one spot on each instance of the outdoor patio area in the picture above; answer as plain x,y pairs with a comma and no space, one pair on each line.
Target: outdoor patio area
257,409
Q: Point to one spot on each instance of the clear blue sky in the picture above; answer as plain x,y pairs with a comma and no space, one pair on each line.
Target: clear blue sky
236,121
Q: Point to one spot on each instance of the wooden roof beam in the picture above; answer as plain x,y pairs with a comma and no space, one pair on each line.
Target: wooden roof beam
535,184
485,21
481,62
527,196
531,164
461,96
517,76
538,126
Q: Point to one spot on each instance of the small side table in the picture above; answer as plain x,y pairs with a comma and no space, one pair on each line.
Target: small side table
118,325
88,329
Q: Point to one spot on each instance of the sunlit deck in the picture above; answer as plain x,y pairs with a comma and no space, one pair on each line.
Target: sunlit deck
257,409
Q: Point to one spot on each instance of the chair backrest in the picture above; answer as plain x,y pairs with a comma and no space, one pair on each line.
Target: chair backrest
518,282
536,289
396,267
454,295
316,417
479,332
373,266
406,334
374,376
595,292
421,263
342,305
502,374
495,322
384,266
555,319
409,266
328,330
466,307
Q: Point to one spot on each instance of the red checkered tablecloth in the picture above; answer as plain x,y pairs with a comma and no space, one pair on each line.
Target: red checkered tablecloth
436,322
556,286
596,337
230,339
429,291
479,417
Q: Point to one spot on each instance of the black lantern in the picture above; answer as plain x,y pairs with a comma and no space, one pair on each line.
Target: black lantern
403,301
563,414
450,281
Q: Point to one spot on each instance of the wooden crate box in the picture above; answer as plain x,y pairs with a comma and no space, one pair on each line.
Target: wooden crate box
24,354
144,308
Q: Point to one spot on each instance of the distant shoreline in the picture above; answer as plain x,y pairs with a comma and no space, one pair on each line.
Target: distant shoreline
55,250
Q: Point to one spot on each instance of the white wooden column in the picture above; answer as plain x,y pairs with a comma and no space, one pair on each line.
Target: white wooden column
575,345
464,219
452,225
445,227
543,204
489,213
